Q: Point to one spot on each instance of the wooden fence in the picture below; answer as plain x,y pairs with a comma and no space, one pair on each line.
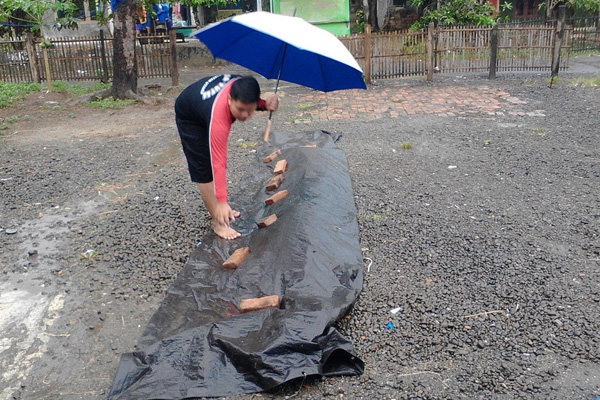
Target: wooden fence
520,47
531,46
89,58
585,33
389,54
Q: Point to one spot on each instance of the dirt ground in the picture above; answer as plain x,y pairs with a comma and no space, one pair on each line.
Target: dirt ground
479,217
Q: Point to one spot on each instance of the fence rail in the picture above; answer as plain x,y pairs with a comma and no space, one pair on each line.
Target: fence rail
87,58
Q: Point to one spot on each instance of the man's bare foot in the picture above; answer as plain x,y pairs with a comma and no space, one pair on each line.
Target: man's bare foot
226,232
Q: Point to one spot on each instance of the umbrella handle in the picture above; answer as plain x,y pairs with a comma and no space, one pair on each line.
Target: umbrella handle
270,122
268,130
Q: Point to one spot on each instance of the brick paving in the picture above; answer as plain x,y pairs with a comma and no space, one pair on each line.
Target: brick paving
395,102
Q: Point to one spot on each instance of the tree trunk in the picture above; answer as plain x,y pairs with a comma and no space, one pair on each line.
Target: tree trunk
549,7
124,61
382,12
199,16
372,15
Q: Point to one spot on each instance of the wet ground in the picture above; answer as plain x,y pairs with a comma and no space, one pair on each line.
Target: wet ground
478,208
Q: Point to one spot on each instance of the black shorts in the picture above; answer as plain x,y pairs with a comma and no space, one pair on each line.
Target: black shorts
196,147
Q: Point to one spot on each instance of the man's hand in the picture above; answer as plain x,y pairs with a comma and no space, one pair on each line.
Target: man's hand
224,214
272,103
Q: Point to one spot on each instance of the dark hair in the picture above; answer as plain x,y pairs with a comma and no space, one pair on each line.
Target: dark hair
246,90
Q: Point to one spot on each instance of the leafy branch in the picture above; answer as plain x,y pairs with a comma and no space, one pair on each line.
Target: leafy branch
455,12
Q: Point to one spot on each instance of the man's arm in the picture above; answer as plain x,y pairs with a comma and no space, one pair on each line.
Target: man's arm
219,135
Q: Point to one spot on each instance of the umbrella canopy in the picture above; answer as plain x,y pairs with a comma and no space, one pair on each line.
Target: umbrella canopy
282,47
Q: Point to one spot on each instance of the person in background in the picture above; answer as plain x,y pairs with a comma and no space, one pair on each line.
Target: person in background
163,15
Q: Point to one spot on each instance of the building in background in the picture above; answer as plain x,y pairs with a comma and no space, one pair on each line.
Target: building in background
87,15
524,8
332,15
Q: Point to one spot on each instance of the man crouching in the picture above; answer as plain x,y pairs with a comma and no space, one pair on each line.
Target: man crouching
205,112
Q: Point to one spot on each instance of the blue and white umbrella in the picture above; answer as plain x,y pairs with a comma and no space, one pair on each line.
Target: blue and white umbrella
283,47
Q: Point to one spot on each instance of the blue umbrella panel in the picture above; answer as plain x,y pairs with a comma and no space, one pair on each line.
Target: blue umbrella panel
274,58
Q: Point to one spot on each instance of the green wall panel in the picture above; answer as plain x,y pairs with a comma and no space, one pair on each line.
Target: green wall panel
332,15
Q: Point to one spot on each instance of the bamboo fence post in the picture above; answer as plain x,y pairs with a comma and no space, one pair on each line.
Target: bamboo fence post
558,36
33,61
430,29
368,51
103,55
47,65
493,51
86,11
598,26
174,70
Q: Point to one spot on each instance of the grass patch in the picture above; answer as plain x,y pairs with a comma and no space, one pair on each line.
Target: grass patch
593,81
5,122
245,145
109,102
12,119
585,53
406,145
11,93
297,120
76,89
52,107
304,106
369,216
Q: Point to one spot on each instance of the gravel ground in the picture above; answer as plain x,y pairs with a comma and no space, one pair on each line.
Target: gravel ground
483,237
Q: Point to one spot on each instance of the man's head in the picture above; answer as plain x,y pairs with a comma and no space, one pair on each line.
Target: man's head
243,98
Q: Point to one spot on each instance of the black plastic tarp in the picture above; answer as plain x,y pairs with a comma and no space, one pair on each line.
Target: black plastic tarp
198,344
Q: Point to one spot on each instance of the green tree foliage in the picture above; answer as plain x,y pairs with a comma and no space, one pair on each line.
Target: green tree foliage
454,12
584,6
28,15
590,6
